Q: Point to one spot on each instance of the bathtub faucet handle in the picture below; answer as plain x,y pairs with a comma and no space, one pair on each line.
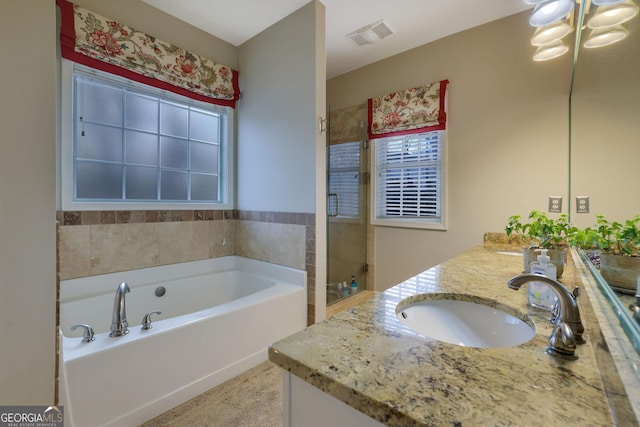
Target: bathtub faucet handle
146,320
87,333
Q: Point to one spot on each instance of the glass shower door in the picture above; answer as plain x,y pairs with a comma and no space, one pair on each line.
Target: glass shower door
346,206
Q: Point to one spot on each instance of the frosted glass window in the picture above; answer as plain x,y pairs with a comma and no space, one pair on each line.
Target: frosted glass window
99,142
204,127
173,185
142,183
173,152
204,157
100,103
174,120
142,148
204,187
99,180
141,113
133,143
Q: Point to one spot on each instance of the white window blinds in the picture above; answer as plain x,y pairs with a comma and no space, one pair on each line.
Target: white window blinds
409,177
344,180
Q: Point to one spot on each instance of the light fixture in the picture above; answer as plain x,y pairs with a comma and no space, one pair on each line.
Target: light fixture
550,33
371,33
612,15
605,37
604,2
550,11
555,19
550,51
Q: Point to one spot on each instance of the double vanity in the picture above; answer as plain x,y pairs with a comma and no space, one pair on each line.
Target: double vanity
371,365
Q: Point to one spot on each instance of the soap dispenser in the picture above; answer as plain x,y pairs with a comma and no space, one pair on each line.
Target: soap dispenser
541,295
344,288
354,285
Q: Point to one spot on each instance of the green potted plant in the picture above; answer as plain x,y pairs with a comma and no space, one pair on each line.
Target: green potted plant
587,240
619,245
543,232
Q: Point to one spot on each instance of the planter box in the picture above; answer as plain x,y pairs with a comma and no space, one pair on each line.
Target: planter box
620,272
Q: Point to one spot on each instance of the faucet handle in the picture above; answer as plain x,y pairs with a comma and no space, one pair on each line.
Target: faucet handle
146,320
576,291
87,333
562,342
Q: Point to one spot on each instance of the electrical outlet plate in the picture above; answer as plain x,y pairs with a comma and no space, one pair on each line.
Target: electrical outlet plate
582,204
555,203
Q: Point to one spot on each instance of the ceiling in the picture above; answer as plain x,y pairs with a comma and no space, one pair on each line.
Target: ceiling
413,22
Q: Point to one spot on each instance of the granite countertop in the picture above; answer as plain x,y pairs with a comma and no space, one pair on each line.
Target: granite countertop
366,358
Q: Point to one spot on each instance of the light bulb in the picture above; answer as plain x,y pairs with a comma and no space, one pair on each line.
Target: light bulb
550,51
610,16
605,37
550,11
550,33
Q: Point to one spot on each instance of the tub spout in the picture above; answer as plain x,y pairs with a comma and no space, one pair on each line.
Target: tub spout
568,328
119,325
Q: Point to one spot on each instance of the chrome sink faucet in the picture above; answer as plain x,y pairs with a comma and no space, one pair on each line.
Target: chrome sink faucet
119,325
568,328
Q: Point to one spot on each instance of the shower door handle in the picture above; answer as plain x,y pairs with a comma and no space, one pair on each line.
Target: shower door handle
337,199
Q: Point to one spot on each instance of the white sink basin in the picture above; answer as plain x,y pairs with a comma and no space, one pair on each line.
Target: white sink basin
455,319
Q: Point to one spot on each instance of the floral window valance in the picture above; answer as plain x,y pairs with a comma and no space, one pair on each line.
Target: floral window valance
419,109
98,42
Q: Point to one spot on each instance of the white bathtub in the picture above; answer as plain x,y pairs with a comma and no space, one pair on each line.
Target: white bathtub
218,318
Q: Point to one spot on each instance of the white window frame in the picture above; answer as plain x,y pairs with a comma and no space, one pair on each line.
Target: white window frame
420,223
66,160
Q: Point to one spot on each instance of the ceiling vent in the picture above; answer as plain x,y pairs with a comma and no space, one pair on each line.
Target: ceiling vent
371,33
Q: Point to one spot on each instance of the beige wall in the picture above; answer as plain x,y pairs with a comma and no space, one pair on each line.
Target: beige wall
27,202
507,135
283,82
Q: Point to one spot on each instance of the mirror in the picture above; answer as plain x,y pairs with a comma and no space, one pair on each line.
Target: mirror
605,131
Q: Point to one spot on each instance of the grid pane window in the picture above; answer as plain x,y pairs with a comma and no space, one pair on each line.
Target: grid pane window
409,177
135,144
174,120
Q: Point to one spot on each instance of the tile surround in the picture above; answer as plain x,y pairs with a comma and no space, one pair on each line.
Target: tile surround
98,242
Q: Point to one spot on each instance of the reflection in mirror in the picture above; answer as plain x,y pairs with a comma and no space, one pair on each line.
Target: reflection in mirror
605,130
604,152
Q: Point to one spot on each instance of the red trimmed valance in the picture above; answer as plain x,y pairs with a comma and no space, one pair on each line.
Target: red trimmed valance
98,42
415,110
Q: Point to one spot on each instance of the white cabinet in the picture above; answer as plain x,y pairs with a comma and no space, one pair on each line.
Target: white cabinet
307,406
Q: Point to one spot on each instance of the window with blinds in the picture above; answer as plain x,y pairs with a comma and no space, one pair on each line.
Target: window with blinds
344,180
408,180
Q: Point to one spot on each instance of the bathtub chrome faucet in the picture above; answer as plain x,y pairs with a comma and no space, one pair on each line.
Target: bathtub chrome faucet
568,328
119,325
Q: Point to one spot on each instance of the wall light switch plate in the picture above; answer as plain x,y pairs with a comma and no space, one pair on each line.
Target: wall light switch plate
555,203
582,204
